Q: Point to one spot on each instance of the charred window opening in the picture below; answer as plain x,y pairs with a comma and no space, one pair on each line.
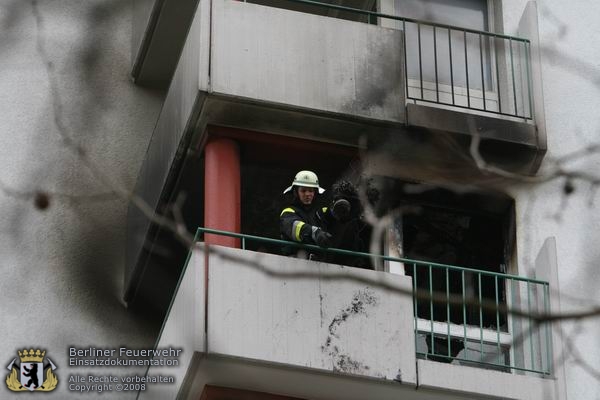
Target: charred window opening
472,230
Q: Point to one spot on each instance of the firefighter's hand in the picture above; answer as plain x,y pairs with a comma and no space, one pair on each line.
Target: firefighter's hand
340,209
323,238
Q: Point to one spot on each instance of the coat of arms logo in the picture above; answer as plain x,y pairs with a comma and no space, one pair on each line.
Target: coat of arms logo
29,374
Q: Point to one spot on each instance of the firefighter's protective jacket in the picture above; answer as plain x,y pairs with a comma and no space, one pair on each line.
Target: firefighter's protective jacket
299,223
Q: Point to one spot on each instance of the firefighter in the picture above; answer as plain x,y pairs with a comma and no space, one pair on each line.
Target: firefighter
343,219
298,222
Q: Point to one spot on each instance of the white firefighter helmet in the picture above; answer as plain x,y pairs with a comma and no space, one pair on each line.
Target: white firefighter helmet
306,179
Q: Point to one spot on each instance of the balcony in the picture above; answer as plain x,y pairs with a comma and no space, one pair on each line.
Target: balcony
450,65
288,72
309,329
310,60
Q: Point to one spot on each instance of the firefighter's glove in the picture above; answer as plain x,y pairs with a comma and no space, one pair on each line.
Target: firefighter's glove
340,209
321,237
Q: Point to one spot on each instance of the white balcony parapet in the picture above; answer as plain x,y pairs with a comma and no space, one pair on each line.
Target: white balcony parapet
290,312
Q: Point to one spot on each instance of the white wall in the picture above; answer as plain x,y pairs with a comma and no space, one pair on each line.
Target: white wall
571,85
62,269
314,62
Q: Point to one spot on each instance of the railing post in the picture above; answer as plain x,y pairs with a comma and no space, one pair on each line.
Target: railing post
497,74
467,69
482,73
497,320
451,66
420,60
548,330
437,88
449,343
529,80
514,85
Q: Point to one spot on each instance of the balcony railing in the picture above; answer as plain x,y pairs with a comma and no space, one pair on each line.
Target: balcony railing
456,67
463,315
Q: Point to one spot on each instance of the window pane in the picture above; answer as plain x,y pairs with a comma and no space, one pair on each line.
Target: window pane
466,13
450,56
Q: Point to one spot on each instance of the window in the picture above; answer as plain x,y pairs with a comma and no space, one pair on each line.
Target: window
470,14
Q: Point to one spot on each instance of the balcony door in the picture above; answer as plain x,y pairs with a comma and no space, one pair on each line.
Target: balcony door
445,65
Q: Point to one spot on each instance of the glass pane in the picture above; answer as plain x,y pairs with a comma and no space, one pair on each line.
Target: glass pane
470,14
443,58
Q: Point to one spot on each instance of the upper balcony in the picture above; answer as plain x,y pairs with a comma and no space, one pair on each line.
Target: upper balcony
308,329
300,71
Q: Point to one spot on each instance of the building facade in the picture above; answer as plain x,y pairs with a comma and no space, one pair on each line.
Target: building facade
453,101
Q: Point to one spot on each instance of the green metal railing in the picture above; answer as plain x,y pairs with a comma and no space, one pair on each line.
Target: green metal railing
462,315
455,66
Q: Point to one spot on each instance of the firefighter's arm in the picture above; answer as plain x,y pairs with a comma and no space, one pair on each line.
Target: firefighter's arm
293,228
